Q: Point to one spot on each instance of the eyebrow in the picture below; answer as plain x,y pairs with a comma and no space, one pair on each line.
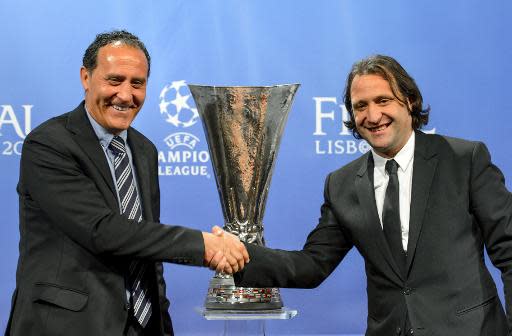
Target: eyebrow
139,79
385,97
379,97
122,77
359,102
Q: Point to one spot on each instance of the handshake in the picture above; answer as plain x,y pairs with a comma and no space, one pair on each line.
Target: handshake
224,252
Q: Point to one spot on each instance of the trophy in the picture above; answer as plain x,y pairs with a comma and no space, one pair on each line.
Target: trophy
243,126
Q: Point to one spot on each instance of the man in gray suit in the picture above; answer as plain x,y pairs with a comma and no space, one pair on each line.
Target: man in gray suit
419,208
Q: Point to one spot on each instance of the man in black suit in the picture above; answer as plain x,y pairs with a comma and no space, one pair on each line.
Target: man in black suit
419,208
91,244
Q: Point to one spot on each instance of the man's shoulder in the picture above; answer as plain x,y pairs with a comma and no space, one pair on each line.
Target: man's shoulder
73,120
352,168
424,142
50,128
443,143
50,136
446,138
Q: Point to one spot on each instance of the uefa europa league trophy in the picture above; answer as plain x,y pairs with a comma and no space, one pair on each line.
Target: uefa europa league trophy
243,128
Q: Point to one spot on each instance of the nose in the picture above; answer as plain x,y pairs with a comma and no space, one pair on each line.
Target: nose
374,115
125,93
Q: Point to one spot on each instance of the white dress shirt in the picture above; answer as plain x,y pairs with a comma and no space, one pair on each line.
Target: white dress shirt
404,158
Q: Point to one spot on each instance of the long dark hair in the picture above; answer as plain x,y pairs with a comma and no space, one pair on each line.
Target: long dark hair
403,86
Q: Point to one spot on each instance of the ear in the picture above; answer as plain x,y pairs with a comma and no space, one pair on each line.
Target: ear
84,78
409,105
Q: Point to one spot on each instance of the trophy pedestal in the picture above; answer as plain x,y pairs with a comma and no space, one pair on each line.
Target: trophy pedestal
246,322
224,295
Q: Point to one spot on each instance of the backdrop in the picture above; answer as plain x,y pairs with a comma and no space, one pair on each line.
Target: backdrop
459,52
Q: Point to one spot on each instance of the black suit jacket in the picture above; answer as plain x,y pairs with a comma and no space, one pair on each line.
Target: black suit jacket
74,244
459,203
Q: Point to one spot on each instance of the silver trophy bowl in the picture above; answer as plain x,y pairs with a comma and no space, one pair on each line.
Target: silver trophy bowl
243,126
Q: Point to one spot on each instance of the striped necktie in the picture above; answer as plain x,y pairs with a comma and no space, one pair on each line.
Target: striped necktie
130,206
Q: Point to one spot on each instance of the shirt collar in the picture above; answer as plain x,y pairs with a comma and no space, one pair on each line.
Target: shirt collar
403,157
103,135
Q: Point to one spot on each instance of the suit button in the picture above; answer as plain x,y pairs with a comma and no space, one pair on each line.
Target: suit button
398,330
406,291
410,332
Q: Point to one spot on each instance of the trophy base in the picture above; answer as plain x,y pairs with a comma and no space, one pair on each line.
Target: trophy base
243,306
260,314
224,295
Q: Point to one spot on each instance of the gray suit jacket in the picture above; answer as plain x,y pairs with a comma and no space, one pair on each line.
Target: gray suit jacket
74,244
459,205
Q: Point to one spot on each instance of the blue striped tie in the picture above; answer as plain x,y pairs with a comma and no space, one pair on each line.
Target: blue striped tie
130,206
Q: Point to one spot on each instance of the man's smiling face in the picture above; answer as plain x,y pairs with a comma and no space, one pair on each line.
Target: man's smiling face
380,117
115,90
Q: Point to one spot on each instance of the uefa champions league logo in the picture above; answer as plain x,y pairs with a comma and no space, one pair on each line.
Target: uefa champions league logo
174,105
180,113
183,159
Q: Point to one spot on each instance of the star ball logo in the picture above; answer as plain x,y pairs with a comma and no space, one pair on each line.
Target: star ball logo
183,157
15,124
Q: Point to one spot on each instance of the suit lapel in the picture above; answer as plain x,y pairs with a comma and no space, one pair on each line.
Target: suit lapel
366,194
78,124
424,167
140,160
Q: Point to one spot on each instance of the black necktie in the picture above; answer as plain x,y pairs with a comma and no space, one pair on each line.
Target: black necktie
391,215
130,206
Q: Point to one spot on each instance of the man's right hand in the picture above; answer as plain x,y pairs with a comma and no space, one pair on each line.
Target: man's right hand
224,252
